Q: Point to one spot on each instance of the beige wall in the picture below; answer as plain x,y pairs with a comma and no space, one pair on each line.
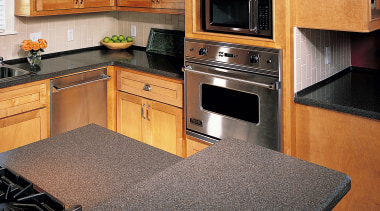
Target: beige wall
88,29
309,55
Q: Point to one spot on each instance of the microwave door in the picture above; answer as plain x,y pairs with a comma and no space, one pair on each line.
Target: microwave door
253,18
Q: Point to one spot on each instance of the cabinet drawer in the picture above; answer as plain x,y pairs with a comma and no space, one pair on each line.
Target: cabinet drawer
22,98
151,87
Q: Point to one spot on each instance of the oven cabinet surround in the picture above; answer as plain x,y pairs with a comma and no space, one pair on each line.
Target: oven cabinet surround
340,15
60,7
24,114
194,145
149,109
152,6
346,143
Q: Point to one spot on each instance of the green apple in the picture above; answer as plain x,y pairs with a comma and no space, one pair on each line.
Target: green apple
114,38
121,37
124,41
129,39
106,39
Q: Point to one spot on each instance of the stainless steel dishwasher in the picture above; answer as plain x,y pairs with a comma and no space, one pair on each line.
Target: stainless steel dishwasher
77,100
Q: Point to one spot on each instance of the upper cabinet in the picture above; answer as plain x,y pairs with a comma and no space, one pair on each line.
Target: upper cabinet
59,7
341,15
153,6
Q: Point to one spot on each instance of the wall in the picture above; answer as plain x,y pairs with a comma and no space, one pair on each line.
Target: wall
309,55
89,29
365,49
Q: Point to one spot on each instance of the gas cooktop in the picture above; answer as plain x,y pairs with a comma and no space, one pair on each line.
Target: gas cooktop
17,194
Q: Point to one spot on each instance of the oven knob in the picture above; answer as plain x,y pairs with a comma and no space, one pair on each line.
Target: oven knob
255,59
202,51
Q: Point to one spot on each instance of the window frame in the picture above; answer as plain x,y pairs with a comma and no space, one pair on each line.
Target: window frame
9,18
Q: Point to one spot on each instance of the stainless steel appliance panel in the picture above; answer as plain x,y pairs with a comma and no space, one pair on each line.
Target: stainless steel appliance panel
264,132
78,100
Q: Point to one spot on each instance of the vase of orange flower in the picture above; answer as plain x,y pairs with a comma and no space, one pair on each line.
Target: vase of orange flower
34,50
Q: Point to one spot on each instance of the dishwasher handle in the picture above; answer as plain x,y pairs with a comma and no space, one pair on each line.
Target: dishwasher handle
103,77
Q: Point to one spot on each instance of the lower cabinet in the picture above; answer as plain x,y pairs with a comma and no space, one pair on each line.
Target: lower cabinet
346,143
23,129
24,114
154,123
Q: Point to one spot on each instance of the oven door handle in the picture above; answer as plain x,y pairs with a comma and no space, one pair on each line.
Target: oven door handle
272,86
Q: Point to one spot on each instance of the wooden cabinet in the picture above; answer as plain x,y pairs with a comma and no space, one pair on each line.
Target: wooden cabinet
341,15
24,114
152,115
59,7
346,143
194,145
153,6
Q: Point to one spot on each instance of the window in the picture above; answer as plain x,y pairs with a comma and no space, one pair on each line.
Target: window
7,17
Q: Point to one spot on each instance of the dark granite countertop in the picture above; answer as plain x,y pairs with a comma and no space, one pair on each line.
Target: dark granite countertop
354,91
103,170
58,64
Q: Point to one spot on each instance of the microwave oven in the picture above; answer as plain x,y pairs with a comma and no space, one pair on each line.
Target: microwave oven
245,17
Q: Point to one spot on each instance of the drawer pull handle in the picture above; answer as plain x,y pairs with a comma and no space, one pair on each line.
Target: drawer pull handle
147,113
142,111
153,2
147,87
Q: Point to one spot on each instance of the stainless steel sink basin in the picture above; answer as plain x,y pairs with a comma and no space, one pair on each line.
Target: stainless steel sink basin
8,72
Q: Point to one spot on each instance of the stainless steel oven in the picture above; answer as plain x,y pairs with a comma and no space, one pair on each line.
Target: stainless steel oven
246,17
232,91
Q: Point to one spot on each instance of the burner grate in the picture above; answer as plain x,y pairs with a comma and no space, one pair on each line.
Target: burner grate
18,194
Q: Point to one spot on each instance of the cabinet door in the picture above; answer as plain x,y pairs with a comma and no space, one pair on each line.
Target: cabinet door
164,127
97,3
42,5
170,4
22,129
135,3
129,115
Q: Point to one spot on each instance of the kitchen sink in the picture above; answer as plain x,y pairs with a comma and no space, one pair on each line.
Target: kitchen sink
8,72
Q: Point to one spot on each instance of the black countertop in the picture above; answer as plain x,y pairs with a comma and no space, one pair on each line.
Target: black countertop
63,63
103,170
354,91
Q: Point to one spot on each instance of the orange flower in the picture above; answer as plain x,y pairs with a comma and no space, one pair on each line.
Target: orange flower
35,46
43,44
26,46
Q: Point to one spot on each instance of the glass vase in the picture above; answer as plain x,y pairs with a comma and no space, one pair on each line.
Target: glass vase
34,58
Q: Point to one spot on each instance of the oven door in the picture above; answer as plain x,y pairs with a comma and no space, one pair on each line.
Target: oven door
221,103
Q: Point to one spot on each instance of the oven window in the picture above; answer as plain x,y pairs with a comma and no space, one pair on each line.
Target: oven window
232,103
229,13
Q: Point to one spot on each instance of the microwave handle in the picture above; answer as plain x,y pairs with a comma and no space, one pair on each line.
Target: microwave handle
253,11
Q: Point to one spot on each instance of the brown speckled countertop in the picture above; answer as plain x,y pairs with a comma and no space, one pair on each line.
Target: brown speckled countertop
87,165
103,170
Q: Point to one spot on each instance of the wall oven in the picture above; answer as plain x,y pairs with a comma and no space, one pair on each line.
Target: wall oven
232,91
247,17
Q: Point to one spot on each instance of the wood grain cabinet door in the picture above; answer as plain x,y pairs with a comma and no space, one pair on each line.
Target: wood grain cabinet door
169,4
129,115
97,3
163,127
135,3
22,129
43,5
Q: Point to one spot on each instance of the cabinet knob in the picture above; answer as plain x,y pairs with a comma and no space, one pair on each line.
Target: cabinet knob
147,87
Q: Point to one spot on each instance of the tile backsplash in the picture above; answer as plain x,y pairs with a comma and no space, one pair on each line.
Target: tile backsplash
310,55
88,29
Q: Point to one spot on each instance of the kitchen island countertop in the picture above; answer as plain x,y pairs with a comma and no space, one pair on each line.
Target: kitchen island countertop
104,170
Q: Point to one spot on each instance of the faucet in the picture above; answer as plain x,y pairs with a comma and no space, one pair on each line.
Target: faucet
1,61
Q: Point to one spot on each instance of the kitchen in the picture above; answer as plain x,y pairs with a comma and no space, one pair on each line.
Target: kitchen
55,28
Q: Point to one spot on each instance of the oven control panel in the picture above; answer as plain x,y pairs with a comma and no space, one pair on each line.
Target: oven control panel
240,57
